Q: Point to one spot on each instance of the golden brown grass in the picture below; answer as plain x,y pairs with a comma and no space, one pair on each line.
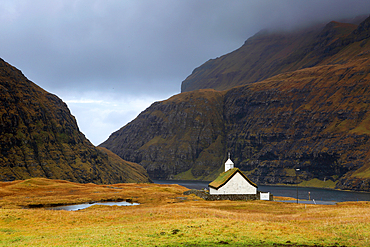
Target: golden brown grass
43,192
167,218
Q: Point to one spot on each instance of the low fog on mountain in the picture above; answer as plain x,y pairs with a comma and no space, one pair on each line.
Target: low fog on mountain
109,60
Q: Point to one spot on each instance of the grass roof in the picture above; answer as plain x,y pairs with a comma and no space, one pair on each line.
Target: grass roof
224,177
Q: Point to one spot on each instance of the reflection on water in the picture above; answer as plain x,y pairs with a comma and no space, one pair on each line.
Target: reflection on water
86,205
304,193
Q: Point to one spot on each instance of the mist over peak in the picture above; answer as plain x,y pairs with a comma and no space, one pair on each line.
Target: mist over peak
133,49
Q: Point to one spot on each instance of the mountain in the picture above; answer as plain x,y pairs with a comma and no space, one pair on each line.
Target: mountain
289,100
183,133
269,53
40,138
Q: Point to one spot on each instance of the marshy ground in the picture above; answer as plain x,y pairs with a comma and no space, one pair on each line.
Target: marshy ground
165,217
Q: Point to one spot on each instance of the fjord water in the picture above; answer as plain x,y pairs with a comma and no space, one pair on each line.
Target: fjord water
317,194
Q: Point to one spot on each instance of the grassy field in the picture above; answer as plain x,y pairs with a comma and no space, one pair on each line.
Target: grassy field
166,217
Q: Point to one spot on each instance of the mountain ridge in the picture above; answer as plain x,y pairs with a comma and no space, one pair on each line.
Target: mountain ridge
269,53
311,111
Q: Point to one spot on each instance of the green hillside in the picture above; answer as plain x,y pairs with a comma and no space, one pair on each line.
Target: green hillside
40,138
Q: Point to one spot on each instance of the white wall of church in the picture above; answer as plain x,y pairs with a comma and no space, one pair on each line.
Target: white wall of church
236,185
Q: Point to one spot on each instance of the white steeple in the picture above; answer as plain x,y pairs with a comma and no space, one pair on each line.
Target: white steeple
229,164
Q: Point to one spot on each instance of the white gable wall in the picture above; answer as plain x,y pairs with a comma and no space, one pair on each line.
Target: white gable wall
236,185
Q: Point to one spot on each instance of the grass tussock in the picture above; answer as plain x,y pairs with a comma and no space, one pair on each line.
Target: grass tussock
167,218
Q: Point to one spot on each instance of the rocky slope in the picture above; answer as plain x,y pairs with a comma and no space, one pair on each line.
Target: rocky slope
313,115
40,138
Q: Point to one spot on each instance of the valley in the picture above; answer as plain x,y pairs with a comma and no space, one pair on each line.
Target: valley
165,217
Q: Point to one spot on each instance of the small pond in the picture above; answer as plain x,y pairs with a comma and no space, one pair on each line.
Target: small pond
86,205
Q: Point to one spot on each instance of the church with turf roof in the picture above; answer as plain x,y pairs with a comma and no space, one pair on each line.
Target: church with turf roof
232,182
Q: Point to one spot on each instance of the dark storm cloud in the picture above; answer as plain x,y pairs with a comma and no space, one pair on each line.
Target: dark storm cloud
125,44
80,49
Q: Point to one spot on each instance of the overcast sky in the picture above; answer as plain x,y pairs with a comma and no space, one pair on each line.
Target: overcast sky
110,59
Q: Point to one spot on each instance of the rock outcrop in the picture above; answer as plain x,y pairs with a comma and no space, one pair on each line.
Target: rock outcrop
40,138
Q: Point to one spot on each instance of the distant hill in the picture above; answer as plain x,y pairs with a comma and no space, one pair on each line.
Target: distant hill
289,100
40,138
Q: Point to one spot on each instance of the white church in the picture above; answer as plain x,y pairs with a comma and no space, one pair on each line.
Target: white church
232,182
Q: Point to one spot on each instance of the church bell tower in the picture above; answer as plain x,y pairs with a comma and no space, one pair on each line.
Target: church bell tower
229,164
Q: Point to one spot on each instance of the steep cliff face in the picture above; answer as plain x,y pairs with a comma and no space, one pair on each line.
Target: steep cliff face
40,138
315,117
